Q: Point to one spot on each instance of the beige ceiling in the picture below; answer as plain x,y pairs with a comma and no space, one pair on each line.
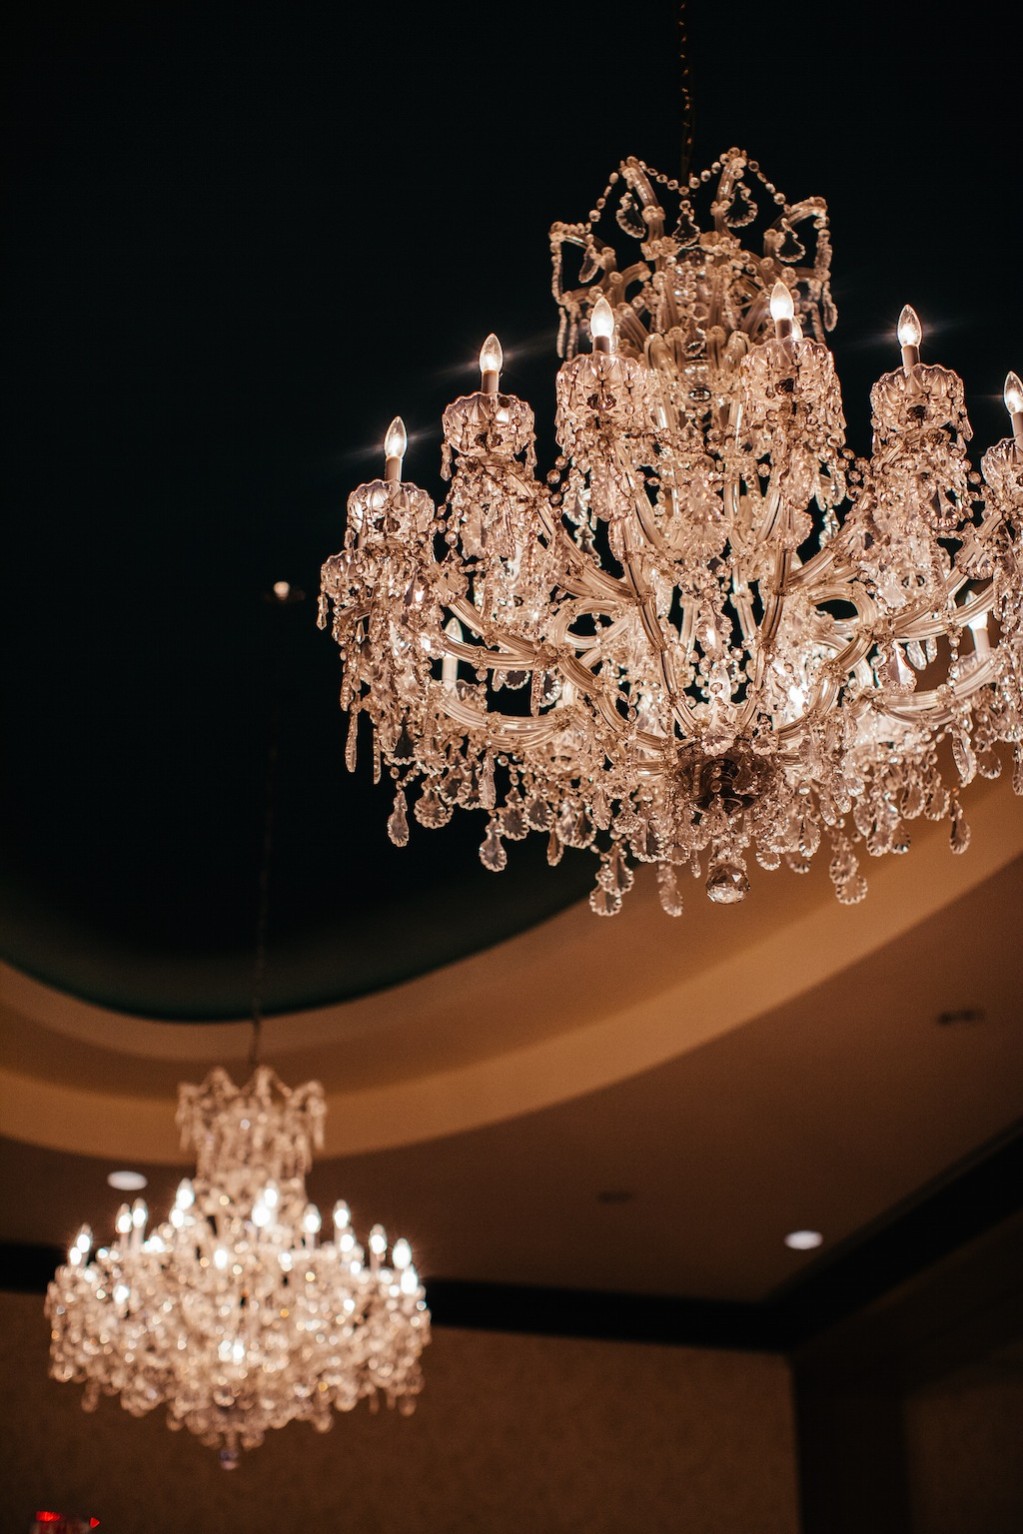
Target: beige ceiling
733,1075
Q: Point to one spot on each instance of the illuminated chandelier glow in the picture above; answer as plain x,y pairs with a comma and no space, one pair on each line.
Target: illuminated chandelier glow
712,632
233,1313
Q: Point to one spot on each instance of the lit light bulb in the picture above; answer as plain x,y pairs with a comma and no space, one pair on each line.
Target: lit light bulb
402,1254
83,1240
803,1240
342,1214
449,663
981,640
123,1222
910,331
378,1241
220,1258
1013,394
184,1198
602,325
311,1220
139,1213
396,440
271,1195
491,362
782,305
260,1214
409,1280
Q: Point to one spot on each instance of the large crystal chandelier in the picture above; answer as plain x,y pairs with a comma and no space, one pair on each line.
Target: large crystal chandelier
712,632
233,1313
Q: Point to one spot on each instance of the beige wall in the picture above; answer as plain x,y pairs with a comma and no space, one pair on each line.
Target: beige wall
512,1433
964,1449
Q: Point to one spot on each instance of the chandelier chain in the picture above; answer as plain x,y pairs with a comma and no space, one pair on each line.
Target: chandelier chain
686,89
266,848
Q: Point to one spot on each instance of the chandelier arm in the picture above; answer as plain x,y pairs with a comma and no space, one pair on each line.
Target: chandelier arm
516,653
471,719
929,627
576,568
825,696
935,707
817,568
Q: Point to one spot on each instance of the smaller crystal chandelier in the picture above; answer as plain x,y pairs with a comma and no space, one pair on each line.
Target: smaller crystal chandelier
234,1313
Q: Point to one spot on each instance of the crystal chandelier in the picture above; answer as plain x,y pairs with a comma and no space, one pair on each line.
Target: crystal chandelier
234,1313
712,632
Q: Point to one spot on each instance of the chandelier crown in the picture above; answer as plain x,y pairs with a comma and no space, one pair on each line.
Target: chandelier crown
712,632
263,1130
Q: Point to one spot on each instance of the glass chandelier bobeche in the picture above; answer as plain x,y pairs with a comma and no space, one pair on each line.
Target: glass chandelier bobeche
233,1313
712,632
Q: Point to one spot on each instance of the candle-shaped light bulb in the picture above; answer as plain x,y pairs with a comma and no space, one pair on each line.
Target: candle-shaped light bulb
602,325
981,641
402,1253
910,330
342,1214
139,1213
491,362
311,1220
184,1198
910,333
782,309
83,1240
123,1222
782,305
378,1241
395,443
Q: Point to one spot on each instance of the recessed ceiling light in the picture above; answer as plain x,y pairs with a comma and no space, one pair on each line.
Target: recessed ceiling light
804,1240
127,1182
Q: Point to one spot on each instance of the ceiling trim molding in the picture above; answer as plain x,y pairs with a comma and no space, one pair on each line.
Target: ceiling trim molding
970,1202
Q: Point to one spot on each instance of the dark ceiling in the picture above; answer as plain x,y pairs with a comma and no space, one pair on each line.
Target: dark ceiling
242,237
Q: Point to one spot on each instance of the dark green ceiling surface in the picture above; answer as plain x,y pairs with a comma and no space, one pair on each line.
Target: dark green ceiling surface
241,239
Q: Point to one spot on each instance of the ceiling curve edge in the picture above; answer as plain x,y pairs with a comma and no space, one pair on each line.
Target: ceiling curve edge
554,1013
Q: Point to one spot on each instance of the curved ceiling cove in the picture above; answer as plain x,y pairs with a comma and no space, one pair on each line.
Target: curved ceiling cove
499,1034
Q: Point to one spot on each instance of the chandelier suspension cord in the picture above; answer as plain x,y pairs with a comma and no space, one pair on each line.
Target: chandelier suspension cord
266,851
688,114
